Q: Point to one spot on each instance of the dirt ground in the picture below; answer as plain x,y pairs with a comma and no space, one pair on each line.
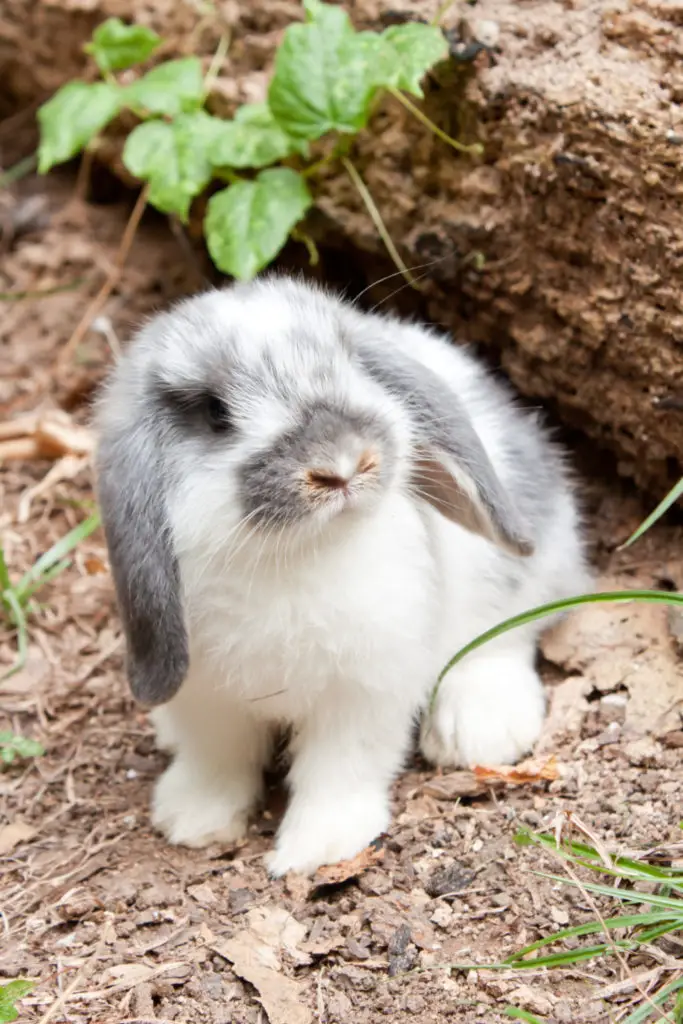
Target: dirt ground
116,926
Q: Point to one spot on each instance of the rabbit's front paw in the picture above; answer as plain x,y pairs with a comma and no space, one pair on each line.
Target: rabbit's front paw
488,713
326,830
192,810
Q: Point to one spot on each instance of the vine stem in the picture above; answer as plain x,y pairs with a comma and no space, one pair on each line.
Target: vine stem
113,277
216,62
653,596
371,207
475,149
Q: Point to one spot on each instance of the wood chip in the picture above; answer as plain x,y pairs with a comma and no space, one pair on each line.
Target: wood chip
13,834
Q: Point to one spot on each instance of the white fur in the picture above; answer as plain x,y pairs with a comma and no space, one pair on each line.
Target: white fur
341,635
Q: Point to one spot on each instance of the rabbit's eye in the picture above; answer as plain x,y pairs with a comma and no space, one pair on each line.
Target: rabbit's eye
216,413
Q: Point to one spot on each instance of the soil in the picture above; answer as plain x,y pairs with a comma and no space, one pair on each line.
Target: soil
116,926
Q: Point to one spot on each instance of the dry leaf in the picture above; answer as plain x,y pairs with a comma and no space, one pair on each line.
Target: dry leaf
517,775
276,927
624,645
94,566
124,976
455,785
345,870
257,963
13,834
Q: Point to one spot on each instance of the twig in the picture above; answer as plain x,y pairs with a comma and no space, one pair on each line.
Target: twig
370,206
216,62
79,976
112,280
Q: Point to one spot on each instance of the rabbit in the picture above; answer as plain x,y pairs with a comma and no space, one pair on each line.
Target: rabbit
308,510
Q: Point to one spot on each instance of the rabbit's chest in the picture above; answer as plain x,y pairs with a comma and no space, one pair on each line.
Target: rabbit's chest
282,639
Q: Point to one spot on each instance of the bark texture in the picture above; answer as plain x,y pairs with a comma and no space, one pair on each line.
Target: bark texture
561,248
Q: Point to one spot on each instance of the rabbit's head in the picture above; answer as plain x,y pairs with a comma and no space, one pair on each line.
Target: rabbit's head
255,412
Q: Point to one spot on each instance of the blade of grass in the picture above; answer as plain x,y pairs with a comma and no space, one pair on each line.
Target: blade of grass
376,218
517,1014
18,620
586,856
51,559
665,504
18,171
618,596
644,1012
5,581
625,895
591,927
475,148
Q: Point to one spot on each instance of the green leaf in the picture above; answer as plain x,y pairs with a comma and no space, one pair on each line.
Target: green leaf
172,88
174,158
253,139
13,746
417,48
326,74
74,115
248,223
9,994
665,504
116,45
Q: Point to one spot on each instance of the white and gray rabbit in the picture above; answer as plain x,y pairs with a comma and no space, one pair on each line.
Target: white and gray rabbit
309,509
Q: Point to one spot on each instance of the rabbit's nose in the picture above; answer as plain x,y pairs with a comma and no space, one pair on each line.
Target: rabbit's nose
338,477
331,481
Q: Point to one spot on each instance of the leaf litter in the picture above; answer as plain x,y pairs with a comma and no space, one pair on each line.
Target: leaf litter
151,933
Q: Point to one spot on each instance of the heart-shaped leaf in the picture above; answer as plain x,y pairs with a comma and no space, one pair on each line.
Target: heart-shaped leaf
74,115
417,48
326,74
116,45
172,88
174,158
248,223
252,139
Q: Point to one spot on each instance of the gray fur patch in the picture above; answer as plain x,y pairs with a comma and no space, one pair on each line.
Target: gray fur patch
146,575
443,423
271,481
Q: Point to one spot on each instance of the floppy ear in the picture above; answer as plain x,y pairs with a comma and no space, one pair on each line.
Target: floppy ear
451,469
131,490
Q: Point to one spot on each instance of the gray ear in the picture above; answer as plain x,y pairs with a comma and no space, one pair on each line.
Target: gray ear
451,470
145,569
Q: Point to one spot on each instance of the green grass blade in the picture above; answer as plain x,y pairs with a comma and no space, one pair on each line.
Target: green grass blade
19,620
592,927
586,856
517,1014
664,506
566,957
667,928
5,581
47,577
673,904
643,1012
37,573
653,596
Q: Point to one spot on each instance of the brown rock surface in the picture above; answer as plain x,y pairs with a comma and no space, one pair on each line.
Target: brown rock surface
576,206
